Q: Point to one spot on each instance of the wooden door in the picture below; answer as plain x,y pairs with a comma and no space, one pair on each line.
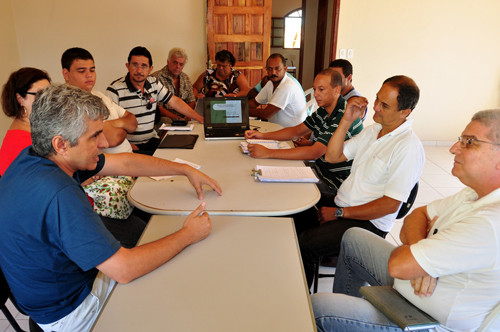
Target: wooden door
242,27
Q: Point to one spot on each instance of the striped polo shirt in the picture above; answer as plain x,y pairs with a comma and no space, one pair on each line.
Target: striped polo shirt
142,105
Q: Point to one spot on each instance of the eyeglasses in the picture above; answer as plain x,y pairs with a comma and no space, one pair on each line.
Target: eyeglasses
467,141
31,93
137,66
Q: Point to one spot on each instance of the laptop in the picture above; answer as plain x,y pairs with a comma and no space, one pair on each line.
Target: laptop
225,117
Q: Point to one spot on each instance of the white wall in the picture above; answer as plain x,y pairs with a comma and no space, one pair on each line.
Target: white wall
449,47
109,30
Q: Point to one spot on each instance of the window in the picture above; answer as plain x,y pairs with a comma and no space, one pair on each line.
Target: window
277,26
293,25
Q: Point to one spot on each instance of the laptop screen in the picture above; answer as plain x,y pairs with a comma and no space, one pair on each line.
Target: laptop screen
226,112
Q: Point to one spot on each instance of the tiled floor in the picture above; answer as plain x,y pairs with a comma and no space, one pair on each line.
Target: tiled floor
20,318
436,182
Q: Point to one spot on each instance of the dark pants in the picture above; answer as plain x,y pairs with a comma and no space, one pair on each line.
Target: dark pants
149,147
324,241
309,218
126,231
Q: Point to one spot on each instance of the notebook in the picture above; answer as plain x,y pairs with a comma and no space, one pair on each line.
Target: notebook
178,142
225,117
392,304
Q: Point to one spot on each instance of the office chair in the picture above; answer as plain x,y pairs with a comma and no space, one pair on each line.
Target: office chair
332,261
311,105
4,295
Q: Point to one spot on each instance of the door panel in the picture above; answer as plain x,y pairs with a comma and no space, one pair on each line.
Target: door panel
242,27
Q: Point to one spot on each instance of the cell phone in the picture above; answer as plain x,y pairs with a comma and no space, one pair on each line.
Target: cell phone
179,123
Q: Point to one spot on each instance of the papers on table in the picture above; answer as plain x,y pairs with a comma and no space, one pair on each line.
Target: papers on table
177,128
177,160
268,143
284,174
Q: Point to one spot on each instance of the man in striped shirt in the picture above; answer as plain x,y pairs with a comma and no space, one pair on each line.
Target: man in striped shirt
139,93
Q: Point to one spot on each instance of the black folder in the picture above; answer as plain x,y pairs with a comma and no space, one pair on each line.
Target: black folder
178,142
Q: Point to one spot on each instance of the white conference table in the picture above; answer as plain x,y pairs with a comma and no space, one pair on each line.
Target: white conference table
246,276
223,161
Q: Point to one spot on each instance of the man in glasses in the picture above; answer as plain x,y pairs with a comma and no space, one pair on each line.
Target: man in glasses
78,69
449,262
139,93
283,98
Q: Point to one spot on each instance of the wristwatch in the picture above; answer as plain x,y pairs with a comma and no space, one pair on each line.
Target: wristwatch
339,213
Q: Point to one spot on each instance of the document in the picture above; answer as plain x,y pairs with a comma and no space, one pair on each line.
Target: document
284,174
397,308
268,143
184,141
177,160
177,128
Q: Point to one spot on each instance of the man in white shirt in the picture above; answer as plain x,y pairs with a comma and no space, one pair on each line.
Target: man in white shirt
344,68
449,262
78,69
283,97
388,159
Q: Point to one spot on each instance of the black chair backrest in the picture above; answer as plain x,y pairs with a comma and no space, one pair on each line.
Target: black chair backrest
4,289
405,207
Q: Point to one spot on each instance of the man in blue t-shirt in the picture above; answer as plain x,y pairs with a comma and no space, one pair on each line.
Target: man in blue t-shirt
58,258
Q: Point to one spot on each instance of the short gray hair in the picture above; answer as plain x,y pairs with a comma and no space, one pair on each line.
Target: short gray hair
178,52
490,119
61,109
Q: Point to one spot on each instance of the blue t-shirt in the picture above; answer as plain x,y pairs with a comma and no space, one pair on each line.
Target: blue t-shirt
50,237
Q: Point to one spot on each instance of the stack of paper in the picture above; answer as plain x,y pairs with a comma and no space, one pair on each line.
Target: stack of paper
177,128
177,160
268,143
284,174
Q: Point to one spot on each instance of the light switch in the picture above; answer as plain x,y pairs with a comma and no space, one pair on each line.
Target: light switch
350,53
342,53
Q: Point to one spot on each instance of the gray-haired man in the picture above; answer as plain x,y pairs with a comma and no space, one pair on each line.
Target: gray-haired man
448,264
57,256
176,81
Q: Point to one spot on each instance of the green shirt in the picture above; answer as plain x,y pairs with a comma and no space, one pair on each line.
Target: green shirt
323,127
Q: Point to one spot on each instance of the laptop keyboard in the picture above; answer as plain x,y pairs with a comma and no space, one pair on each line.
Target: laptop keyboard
225,133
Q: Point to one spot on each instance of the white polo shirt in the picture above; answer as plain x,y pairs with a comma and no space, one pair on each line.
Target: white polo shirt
115,112
463,250
289,98
387,166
